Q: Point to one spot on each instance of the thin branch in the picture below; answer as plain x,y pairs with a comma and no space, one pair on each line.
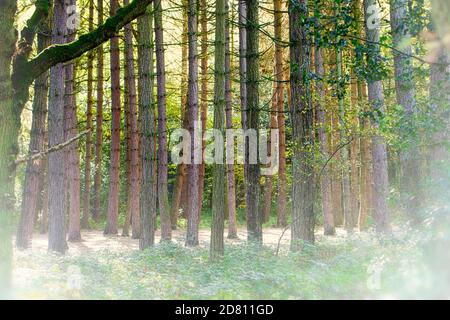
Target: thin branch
57,147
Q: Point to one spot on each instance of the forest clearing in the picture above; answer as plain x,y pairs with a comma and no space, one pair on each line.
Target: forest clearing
229,149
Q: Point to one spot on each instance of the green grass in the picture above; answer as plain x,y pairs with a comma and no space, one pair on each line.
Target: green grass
409,264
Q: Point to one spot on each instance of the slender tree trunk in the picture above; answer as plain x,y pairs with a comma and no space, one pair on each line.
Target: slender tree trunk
357,167
127,133
134,134
303,184
231,189
354,151
281,204
90,104
9,132
43,226
183,201
366,180
218,191
242,13
325,181
268,183
148,205
379,153
56,163
180,181
164,211
73,177
99,123
193,167
254,218
73,183
113,197
33,182
203,94
345,168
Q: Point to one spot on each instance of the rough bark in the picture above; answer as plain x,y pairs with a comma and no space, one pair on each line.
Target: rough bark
268,180
33,182
73,156
349,222
56,161
281,203
231,189
254,214
89,106
218,191
180,181
193,168
379,153
325,181
164,210
303,188
127,134
148,205
73,183
354,152
242,13
113,197
134,134
203,94
99,123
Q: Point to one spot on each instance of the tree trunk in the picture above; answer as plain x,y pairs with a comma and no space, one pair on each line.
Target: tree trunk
73,177
33,183
254,215
9,131
366,180
181,168
43,226
325,181
231,189
203,94
218,191
113,197
127,134
148,205
405,94
281,204
242,13
345,168
164,211
379,153
303,184
90,103
73,183
134,134
354,151
193,168
268,181
99,123
56,163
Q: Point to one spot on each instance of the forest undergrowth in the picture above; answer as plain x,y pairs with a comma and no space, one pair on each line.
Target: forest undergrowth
406,264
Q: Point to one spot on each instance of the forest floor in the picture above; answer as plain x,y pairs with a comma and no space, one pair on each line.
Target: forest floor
95,240
361,265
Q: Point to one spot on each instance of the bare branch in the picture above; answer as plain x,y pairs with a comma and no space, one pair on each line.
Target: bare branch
57,147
